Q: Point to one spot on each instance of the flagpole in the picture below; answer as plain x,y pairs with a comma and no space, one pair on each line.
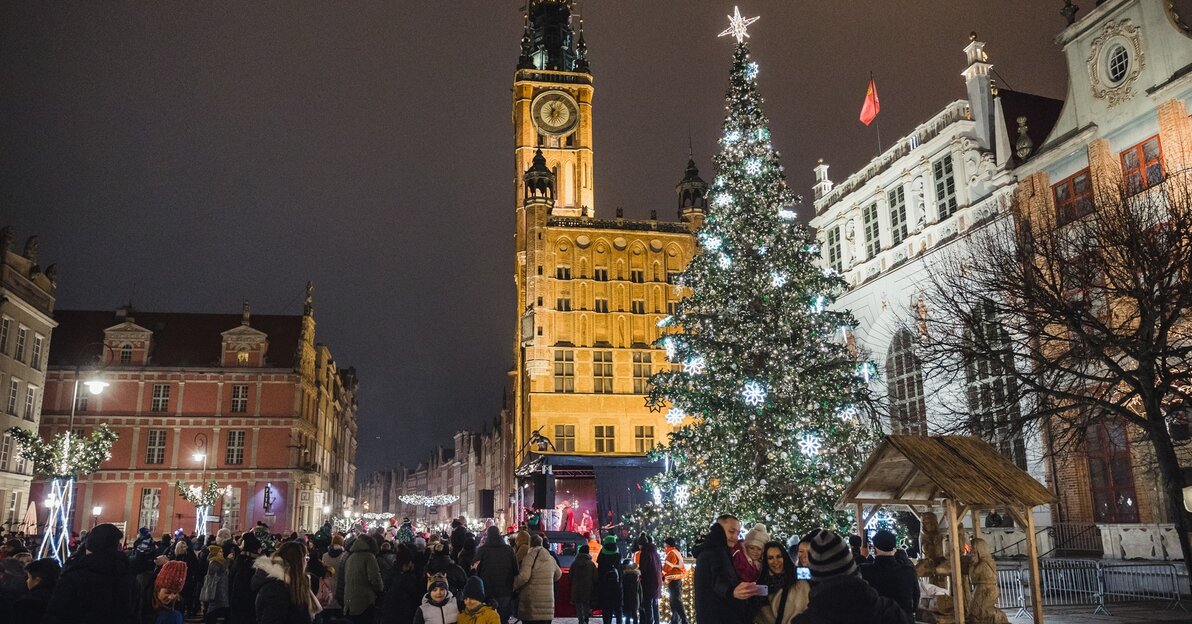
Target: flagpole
877,121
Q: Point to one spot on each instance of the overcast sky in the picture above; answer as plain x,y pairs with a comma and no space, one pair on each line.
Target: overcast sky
187,155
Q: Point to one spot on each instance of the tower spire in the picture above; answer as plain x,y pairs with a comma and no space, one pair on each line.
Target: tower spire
549,42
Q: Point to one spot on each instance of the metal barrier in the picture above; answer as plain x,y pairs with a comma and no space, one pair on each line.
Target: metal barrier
1090,582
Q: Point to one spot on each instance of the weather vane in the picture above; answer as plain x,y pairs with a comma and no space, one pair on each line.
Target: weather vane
738,26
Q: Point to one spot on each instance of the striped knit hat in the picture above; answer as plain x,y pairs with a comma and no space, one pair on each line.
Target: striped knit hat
830,556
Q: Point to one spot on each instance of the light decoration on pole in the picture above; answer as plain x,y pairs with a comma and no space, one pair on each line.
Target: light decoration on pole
428,501
203,497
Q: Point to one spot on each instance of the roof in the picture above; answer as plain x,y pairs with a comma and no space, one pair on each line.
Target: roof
1041,114
920,470
179,339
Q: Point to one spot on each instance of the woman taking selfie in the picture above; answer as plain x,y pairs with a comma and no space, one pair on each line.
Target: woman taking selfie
787,594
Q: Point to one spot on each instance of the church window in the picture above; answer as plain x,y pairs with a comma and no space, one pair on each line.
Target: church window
637,276
1073,197
565,370
945,187
600,274
602,372
992,391
873,243
672,277
672,307
897,201
904,378
835,251
1111,473
563,272
1142,165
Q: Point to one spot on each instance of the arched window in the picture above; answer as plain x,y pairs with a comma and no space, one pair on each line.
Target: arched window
991,387
904,378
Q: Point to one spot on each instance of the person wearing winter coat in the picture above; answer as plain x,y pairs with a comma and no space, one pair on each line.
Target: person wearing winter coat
161,603
42,576
747,558
467,554
385,557
282,587
441,563
608,583
439,605
650,566
583,584
536,584
521,545
459,534
720,595
840,595
403,589
97,587
241,595
476,610
631,592
788,595
889,576
496,565
214,594
183,553
673,571
335,555
362,580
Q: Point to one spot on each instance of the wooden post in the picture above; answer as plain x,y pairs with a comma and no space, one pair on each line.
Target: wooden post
954,539
861,522
1032,555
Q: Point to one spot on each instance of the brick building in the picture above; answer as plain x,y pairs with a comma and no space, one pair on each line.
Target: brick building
251,401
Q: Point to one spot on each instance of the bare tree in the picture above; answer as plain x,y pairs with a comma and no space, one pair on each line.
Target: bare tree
1080,324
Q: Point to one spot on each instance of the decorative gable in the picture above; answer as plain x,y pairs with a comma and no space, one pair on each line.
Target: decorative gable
128,344
244,346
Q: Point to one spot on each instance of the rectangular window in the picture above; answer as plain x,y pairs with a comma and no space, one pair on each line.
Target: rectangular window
602,372
639,306
14,389
641,371
945,187
5,329
5,451
565,438
20,469
125,355
600,274
563,272
563,303
873,241
234,453
239,399
565,371
643,439
81,402
672,307
601,304
30,401
835,251
22,335
672,277
637,276
1073,198
897,201
13,502
1142,166
155,446
150,503
606,439
38,346
1111,473
230,513
161,398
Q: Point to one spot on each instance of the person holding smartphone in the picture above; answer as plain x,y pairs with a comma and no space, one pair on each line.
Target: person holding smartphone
786,595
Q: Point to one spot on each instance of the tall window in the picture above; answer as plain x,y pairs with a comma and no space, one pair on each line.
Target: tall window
643,438
1142,165
638,306
992,390
637,276
5,451
38,345
641,371
565,371
897,200
125,355
1111,473
606,436
904,378
234,453
672,277
1073,198
602,372
22,336
602,304
600,274
565,438
155,446
14,389
563,272
945,187
873,241
672,307
150,504
239,399
5,329
13,503
563,303
81,402
20,469
161,398
835,252
229,515
30,401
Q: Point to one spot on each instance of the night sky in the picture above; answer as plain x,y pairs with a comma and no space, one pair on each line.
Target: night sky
187,155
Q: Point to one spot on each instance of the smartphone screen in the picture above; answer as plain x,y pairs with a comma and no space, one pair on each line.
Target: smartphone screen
803,574
763,590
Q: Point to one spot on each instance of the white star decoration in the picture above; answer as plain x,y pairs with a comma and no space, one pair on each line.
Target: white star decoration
738,26
675,416
694,365
810,444
754,394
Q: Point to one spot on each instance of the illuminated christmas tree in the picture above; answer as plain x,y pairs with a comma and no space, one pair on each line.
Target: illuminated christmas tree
764,380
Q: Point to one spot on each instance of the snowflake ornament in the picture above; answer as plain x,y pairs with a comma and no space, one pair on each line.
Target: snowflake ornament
711,243
682,495
810,444
754,394
753,166
724,261
778,279
694,365
668,343
675,415
732,136
657,496
751,71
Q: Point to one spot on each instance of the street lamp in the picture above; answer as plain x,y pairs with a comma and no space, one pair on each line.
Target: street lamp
96,511
200,455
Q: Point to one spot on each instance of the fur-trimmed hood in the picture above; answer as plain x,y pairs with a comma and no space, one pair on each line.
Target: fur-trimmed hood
272,570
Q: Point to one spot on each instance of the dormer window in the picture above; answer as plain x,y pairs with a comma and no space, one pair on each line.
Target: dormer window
242,358
125,355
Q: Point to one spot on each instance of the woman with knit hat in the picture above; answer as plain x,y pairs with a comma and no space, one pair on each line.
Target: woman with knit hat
214,594
747,559
840,595
160,606
608,564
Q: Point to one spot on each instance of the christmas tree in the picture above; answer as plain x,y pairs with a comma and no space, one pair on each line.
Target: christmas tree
764,379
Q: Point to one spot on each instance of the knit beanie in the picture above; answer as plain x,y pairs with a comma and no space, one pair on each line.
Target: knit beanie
437,580
610,544
474,589
105,537
830,556
172,576
885,540
757,536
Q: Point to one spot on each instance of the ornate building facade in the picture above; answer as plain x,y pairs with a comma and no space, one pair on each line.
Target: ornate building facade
590,290
252,402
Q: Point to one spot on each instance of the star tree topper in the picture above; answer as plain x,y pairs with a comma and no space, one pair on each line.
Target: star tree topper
738,26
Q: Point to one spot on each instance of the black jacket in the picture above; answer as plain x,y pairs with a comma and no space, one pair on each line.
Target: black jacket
442,564
30,608
497,567
894,580
272,603
849,600
241,595
608,575
715,580
97,588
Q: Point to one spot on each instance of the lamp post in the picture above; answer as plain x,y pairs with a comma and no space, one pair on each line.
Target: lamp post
200,455
96,511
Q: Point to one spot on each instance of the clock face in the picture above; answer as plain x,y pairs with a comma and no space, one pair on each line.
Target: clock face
555,113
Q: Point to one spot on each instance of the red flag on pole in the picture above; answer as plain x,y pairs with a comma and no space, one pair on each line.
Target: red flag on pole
872,106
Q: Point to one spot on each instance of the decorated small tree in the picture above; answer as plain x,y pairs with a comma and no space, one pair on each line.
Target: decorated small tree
203,498
770,395
61,460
